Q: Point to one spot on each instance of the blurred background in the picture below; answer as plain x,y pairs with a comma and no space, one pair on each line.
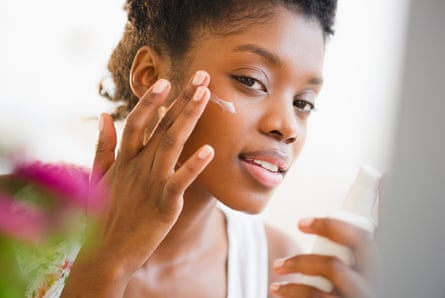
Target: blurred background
54,53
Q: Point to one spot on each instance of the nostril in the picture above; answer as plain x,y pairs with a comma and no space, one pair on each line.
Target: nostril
281,137
276,133
292,140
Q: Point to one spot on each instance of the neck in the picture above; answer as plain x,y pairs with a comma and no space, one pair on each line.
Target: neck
198,229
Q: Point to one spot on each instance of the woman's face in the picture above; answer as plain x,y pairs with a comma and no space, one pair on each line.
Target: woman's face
272,72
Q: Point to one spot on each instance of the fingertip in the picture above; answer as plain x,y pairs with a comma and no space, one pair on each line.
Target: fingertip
160,86
206,152
306,223
279,289
201,77
278,263
275,287
278,266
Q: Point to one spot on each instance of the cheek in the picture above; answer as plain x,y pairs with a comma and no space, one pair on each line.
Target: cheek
218,128
299,145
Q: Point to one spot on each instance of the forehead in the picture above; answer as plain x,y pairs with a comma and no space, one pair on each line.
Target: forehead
289,39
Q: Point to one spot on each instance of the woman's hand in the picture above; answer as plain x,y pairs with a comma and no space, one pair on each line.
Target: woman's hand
349,282
144,189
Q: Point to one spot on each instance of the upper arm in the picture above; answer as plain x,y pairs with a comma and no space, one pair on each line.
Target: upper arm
280,245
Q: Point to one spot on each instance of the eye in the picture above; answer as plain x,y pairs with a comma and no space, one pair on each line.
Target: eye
304,106
251,83
304,102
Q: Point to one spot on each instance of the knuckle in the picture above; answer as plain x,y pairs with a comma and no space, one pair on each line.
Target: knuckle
104,150
189,112
101,147
190,168
168,141
149,101
173,188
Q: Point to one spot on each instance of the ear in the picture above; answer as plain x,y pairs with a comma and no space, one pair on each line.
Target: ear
146,69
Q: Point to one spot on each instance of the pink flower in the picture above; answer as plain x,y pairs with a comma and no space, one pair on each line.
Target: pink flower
21,220
65,191
65,182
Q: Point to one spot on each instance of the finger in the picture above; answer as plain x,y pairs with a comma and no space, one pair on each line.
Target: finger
175,137
105,148
310,264
344,278
185,175
360,241
140,117
201,78
297,290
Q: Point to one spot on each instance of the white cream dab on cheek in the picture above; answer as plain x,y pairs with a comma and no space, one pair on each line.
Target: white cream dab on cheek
227,106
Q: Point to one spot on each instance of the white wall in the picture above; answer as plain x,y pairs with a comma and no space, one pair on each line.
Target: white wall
357,109
55,52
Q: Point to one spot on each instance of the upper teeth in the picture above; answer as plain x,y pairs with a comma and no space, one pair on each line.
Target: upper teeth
266,165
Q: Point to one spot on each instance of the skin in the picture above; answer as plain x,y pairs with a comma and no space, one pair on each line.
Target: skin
161,224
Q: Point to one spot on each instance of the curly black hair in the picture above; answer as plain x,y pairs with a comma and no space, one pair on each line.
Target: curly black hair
171,26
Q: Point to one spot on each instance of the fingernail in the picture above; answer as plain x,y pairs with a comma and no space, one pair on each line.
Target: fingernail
306,222
101,123
205,152
278,263
159,86
199,78
198,94
275,287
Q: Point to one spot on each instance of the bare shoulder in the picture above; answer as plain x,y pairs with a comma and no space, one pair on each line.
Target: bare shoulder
280,245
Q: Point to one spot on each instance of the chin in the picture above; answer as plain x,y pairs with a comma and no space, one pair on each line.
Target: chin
248,203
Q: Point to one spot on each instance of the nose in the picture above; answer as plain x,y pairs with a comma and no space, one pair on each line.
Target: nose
280,121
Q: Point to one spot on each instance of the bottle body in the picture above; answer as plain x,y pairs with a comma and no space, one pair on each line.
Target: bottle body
358,209
326,247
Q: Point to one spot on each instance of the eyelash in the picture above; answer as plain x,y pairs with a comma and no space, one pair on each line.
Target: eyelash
306,106
249,83
300,105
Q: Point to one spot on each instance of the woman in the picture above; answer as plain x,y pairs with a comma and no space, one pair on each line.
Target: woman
162,233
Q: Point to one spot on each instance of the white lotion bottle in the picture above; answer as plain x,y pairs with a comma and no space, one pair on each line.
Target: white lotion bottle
358,208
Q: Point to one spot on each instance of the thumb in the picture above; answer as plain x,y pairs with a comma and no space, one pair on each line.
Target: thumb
105,148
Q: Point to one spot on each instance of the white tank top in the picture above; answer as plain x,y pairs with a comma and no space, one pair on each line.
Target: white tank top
247,255
247,259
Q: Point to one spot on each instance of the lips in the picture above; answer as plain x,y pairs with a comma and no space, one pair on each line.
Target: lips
266,167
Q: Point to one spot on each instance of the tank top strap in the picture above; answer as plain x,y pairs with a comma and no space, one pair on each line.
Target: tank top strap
247,255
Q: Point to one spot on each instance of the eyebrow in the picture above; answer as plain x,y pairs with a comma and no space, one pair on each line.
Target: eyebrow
274,59
271,57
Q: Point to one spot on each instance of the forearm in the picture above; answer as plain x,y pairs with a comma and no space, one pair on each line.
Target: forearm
95,275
